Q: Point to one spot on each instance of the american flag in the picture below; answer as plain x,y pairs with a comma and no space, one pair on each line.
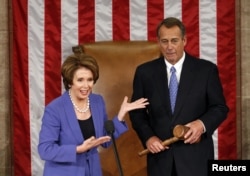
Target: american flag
44,32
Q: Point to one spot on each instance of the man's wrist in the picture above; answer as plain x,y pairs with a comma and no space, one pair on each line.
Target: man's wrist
204,128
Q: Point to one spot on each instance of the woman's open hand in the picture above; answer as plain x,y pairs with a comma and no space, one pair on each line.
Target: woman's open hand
92,142
126,106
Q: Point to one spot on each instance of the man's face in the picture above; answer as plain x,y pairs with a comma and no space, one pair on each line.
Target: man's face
171,43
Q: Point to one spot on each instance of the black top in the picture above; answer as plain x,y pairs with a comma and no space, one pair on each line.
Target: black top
87,127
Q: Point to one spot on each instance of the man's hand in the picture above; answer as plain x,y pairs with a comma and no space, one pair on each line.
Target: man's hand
154,145
193,135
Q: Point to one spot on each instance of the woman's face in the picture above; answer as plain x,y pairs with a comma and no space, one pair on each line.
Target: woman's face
82,83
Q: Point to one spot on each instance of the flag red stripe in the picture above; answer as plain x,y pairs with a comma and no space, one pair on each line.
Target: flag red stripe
53,51
190,17
120,19
226,48
155,15
86,21
20,91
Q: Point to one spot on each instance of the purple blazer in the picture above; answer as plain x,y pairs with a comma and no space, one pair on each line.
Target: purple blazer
60,134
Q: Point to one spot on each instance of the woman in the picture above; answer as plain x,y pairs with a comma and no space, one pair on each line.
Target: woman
73,124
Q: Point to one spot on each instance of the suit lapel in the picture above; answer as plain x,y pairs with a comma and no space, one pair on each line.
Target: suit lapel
71,118
161,82
186,79
95,112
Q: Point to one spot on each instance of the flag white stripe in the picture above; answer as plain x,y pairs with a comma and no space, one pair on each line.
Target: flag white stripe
138,20
173,8
208,41
103,20
36,77
69,36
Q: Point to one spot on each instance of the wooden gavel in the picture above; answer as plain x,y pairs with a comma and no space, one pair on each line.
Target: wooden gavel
179,131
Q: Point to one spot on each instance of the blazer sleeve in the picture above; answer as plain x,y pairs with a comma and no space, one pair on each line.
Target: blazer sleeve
49,147
217,108
100,115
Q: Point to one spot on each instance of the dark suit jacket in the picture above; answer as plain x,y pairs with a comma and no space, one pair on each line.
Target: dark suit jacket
200,96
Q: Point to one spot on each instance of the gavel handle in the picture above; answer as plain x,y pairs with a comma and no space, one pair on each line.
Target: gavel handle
164,143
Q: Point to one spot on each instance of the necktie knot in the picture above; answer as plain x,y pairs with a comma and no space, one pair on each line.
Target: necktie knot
172,70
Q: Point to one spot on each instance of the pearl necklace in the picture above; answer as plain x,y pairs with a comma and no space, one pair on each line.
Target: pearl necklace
77,108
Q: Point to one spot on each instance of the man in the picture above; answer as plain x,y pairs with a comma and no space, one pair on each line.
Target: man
199,105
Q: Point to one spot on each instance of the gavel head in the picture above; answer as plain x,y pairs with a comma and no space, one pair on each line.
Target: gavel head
179,131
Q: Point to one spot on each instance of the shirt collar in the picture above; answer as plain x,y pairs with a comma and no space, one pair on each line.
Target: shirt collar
178,65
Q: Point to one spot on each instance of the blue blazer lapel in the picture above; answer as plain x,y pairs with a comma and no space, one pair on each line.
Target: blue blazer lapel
97,111
71,118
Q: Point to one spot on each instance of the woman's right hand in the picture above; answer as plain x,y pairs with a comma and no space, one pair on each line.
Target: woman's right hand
91,143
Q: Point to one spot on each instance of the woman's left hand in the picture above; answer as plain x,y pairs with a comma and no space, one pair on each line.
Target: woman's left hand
126,106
